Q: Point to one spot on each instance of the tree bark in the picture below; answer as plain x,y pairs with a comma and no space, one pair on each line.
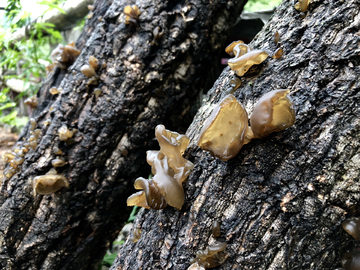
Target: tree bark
282,199
142,85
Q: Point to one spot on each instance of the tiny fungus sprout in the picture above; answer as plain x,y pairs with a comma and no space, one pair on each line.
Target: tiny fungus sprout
352,227
132,14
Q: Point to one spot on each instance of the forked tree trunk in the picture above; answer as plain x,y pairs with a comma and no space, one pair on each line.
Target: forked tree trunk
282,199
143,85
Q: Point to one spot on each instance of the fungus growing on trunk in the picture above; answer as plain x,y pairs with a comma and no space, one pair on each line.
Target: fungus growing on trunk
273,112
302,5
132,14
49,183
278,53
64,56
223,133
170,170
352,227
88,71
58,162
54,91
351,260
94,62
215,230
65,133
210,257
136,235
229,49
276,37
32,102
157,35
242,62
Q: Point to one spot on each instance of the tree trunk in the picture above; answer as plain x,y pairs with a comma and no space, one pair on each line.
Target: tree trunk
142,85
282,199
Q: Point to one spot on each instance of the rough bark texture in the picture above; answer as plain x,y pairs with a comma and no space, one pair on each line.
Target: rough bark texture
282,199
143,85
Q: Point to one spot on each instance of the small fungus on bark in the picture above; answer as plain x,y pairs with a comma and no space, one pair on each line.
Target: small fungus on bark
170,170
58,162
32,102
94,62
64,56
210,257
54,91
273,112
278,53
351,260
136,235
224,132
276,37
302,5
216,228
57,151
88,71
132,14
352,227
242,62
49,183
157,35
65,133
229,49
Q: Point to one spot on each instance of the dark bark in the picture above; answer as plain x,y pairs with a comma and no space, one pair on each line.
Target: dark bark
282,199
143,85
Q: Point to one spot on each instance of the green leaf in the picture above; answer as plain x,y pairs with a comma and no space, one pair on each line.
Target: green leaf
7,105
51,6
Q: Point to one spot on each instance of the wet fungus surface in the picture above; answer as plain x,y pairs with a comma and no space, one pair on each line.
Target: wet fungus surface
273,112
215,229
170,170
278,53
65,133
210,257
242,62
64,56
223,133
49,183
351,260
32,102
352,227
132,14
88,71
136,235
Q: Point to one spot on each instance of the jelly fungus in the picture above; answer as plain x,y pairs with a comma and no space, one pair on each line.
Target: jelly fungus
211,256
88,71
49,183
64,56
223,133
352,227
273,112
170,170
132,14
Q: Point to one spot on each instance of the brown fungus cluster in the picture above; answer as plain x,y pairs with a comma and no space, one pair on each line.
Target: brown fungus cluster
32,102
64,56
226,130
210,257
49,183
244,57
16,157
132,14
170,170
65,133
54,90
